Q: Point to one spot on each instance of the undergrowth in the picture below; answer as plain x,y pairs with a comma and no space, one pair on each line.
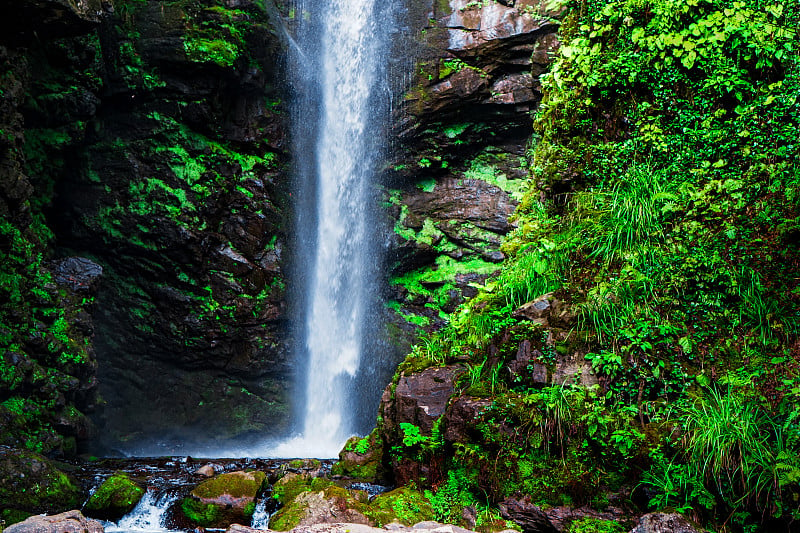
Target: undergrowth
665,217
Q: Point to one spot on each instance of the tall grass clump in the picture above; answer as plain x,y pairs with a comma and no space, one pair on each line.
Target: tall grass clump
538,269
729,445
626,218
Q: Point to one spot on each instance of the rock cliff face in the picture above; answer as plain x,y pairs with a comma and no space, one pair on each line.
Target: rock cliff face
460,169
149,137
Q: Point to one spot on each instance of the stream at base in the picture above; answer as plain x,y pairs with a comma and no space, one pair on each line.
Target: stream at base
170,479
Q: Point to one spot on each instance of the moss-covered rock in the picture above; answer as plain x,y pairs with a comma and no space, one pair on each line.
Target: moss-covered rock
224,499
116,497
33,484
319,501
404,505
361,458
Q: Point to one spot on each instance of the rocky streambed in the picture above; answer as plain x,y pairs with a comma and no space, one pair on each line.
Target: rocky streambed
177,494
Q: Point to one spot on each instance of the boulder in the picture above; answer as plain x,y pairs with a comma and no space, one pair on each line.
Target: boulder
321,503
115,498
68,522
360,458
528,516
206,471
420,399
546,310
665,523
224,499
30,482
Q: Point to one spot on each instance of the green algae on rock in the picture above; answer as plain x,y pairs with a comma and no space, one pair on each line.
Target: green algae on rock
115,498
224,499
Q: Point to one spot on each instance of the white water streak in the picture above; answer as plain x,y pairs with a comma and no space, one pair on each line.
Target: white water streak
348,53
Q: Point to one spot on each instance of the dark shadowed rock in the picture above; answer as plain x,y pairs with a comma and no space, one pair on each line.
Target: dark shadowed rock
462,416
68,522
528,361
78,273
32,483
28,21
528,516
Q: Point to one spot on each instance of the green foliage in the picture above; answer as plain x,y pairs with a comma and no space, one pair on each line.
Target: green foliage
449,500
404,505
664,213
594,525
218,51
200,513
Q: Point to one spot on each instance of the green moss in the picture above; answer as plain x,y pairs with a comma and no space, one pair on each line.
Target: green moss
482,169
116,497
288,517
13,516
222,53
403,505
203,514
289,486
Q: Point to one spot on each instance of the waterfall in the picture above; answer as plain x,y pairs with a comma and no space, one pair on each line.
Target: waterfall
339,69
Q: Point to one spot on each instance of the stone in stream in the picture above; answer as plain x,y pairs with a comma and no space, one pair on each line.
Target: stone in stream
68,522
528,516
206,471
224,499
115,498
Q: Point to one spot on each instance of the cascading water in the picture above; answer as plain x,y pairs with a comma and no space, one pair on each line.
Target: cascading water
339,62
149,515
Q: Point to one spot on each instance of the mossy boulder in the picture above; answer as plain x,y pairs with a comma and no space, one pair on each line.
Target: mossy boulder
404,505
361,458
115,498
224,499
31,483
317,501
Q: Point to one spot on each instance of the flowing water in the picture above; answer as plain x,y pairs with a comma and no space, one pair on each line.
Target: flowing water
149,515
338,71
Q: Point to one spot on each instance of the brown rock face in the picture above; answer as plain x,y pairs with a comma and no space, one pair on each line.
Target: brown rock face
464,200
420,399
461,417
463,125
